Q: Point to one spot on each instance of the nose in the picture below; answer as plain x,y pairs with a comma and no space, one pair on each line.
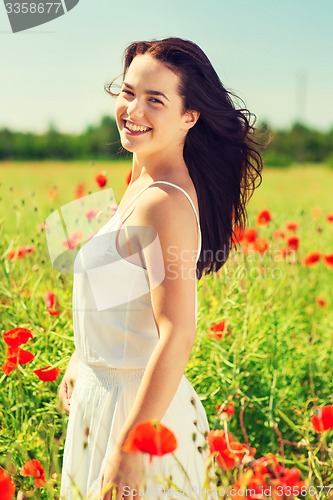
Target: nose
134,109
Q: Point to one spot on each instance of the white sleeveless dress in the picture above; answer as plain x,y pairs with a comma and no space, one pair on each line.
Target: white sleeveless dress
114,339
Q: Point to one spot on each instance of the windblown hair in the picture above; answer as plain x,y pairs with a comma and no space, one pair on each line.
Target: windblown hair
221,151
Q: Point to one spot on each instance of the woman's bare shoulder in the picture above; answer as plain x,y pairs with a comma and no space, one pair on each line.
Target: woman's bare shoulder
166,202
170,215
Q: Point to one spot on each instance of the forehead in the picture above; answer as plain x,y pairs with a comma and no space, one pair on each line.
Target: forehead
146,71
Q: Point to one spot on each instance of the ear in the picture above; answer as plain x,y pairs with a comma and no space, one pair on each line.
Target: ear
191,118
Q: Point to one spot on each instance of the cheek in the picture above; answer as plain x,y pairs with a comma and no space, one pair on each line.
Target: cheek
120,106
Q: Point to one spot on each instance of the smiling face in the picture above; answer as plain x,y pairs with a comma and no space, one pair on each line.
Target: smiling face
149,109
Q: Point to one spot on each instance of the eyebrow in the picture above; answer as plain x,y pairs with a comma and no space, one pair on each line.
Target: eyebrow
150,92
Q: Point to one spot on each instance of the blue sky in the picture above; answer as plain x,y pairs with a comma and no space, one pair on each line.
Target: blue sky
276,55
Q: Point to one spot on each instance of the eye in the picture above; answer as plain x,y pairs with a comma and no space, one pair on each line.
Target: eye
155,101
128,92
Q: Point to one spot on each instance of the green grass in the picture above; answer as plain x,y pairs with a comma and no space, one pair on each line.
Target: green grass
276,364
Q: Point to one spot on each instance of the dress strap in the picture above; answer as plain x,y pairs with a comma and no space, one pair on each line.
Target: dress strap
194,209
187,196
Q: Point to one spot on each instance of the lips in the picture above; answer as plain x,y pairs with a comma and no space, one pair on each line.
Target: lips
135,129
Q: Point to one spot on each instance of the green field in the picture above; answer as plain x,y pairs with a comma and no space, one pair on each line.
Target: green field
275,365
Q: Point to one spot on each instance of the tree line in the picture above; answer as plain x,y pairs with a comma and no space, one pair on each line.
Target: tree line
299,143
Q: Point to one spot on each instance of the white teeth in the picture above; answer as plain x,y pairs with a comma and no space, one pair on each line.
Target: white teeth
136,128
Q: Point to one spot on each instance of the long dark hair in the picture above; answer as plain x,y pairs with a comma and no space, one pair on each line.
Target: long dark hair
221,151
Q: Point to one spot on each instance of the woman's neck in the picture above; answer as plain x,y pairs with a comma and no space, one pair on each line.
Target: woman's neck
146,169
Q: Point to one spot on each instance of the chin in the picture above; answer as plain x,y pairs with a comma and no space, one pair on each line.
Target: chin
132,148
128,146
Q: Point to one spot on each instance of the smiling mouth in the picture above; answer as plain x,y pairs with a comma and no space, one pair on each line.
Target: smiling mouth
135,129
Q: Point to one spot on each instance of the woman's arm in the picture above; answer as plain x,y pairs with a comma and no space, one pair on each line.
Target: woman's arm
67,383
173,302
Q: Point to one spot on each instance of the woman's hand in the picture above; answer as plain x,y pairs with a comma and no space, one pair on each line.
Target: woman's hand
67,384
125,471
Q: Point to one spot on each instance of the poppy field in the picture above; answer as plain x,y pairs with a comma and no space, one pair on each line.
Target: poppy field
261,364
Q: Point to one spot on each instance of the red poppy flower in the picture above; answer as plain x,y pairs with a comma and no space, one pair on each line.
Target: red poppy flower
19,356
128,177
47,374
322,420
35,469
218,330
14,357
90,214
293,243
219,327
17,336
329,217
101,179
79,190
7,486
17,253
237,235
49,298
267,465
250,235
228,409
269,468
261,245
266,472
288,477
312,258
230,452
329,260
53,312
73,240
292,226
277,234
215,335
20,252
8,367
263,218
321,302
150,437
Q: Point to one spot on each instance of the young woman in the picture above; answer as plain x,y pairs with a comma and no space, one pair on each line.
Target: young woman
195,164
